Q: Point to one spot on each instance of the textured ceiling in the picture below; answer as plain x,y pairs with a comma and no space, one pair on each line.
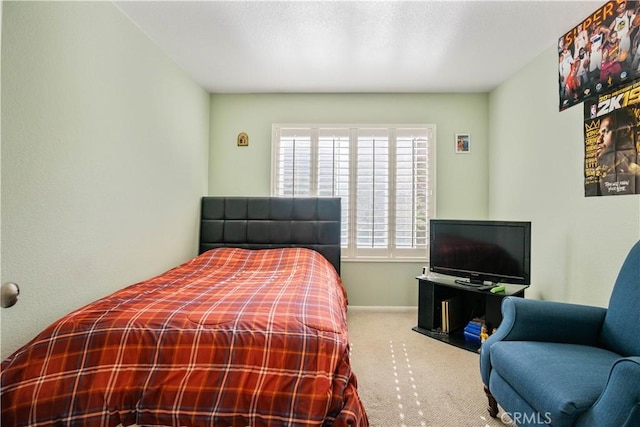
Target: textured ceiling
354,46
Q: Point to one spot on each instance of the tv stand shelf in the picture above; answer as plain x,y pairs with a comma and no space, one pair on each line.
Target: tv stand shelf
473,303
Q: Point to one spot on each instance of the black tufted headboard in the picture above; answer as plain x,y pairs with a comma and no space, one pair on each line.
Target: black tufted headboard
272,222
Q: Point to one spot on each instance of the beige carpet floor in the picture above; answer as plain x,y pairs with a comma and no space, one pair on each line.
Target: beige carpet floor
406,379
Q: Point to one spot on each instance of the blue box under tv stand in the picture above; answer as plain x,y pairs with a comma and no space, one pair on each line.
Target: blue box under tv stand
470,302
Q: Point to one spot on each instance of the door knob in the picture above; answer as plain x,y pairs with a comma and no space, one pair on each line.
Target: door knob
10,292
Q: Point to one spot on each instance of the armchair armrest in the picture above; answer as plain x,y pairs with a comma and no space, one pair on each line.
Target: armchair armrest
619,403
547,321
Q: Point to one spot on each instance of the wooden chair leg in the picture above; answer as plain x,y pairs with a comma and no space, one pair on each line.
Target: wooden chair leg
493,405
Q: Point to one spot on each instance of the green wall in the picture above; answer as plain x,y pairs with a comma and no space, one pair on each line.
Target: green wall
105,144
536,170
462,179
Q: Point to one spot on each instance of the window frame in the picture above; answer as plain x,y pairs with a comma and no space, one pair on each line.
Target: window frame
352,253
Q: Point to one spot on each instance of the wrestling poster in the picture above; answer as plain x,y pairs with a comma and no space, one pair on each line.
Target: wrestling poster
612,142
601,53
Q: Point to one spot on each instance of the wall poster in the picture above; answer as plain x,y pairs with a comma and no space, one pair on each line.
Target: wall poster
612,142
600,54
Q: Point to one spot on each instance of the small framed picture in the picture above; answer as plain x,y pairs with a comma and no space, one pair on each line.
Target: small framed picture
463,143
243,139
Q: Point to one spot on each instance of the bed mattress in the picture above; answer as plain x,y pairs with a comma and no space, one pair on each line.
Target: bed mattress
233,337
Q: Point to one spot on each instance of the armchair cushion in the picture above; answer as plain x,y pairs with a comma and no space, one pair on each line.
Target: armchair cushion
565,379
544,321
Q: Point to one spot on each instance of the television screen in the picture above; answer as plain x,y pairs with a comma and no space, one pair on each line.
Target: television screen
479,251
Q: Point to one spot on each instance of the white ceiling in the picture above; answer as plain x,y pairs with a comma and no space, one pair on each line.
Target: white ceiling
354,46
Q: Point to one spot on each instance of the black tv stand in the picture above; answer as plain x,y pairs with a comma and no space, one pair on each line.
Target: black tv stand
434,288
470,283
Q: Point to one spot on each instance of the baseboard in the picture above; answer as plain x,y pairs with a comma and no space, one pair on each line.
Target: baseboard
388,308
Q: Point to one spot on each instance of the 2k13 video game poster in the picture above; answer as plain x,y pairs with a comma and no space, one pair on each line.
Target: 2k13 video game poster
612,142
601,53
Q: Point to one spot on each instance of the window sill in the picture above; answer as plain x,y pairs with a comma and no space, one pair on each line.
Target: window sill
378,259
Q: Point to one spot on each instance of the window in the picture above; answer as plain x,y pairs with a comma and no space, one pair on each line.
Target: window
383,174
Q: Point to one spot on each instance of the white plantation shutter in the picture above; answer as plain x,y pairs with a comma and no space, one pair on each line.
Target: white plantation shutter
412,189
384,176
372,190
333,171
295,162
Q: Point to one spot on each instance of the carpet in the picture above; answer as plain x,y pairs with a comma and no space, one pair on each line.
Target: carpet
407,379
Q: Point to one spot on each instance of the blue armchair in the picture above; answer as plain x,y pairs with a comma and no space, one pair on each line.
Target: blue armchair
560,364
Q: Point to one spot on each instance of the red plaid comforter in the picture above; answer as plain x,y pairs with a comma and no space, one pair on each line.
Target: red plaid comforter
233,337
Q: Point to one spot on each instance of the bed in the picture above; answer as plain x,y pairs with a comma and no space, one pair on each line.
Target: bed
251,332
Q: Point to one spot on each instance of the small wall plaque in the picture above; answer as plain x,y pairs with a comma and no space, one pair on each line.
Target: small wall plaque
243,139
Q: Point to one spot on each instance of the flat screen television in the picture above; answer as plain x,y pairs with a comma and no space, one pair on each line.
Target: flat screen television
479,251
